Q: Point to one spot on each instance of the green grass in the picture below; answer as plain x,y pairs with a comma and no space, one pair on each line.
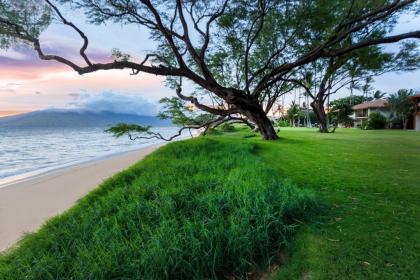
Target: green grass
226,204
371,181
204,208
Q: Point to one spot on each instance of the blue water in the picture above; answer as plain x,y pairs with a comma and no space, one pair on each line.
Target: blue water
29,151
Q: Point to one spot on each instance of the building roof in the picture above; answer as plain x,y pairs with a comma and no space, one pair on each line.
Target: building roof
415,96
376,103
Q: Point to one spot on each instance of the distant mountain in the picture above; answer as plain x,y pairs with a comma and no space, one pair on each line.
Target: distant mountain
75,118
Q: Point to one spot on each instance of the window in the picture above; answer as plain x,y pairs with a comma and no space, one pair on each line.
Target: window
361,113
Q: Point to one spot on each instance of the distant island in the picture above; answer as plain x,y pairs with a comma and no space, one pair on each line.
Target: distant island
76,118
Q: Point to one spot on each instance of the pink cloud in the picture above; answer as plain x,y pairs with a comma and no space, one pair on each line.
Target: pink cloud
56,80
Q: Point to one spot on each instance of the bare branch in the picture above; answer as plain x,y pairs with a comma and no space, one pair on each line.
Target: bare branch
194,100
251,39
366,19
156,135
84,37
366,43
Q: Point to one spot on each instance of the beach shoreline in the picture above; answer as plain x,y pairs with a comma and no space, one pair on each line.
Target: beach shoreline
56,167
26,204
19,178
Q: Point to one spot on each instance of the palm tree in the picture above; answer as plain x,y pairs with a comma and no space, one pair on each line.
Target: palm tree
354,82
378,94
401,106
293,113
367,87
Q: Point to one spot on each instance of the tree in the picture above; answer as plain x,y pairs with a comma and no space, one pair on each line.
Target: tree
326,76
376,121
341,110
401,106
238,53
367,87
378,94
293,114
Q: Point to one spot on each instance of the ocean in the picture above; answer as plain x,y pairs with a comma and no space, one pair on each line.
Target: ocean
26,152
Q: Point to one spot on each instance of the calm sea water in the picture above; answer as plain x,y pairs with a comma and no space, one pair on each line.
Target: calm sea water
26,152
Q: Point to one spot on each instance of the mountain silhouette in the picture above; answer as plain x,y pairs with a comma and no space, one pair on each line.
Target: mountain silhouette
76,118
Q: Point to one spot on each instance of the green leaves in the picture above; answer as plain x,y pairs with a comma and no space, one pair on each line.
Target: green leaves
124,128
181,113
400,104
376,121
341,108
408,57
20,19
118,55
346,102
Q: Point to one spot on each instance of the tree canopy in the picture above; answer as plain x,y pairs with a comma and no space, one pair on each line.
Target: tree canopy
401,106
341,109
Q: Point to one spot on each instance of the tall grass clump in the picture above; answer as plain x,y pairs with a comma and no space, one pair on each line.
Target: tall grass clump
198,209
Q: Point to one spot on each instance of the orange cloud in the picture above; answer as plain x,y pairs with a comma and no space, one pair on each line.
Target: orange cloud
50,86
48,83
10,113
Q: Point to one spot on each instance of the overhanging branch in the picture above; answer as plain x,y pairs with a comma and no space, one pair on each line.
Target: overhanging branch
68,23
366,43
196,103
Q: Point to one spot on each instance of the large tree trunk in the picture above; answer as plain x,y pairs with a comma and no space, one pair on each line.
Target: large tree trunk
265,127
255,113
321,116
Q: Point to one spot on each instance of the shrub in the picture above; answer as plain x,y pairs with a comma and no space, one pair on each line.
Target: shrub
212,131
283,123
194,209
250,135
227,127
364,124
376,121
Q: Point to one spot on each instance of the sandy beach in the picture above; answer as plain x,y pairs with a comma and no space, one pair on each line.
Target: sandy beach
27,204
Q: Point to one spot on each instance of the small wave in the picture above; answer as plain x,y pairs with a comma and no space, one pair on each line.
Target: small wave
25,153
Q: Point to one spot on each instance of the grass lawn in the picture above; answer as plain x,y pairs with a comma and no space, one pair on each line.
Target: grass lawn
371,181
198,209
224,205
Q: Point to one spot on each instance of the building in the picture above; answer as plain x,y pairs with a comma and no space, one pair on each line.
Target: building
416,115
363,110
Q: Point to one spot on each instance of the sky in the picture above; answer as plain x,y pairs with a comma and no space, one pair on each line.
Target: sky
28,83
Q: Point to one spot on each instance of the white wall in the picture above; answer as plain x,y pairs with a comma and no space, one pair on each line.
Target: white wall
383,112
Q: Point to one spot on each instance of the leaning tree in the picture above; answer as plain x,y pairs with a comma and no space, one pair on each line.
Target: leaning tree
238,53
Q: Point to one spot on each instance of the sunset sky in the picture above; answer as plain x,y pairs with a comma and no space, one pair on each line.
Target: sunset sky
27,83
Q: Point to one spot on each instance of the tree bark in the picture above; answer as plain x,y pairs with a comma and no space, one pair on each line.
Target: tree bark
255,113
265,127
321,116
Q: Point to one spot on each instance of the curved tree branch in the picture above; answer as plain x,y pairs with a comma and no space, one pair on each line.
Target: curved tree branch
196,103
84,37
366,43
